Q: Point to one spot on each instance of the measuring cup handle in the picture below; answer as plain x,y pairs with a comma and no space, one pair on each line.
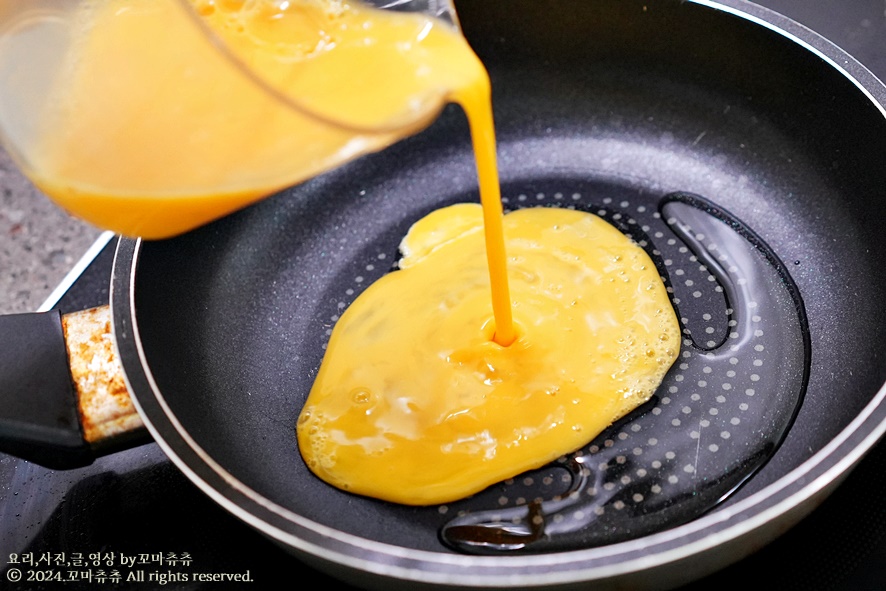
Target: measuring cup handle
63,400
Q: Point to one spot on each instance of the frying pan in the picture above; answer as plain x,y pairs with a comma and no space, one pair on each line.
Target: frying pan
758,123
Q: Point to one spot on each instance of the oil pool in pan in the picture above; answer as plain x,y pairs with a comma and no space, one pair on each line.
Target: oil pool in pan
719,414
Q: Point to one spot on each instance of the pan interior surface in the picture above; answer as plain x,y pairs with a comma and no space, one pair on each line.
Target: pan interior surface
623,104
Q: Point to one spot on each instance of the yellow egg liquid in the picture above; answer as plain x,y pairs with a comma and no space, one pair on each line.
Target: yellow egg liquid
438,381
470,364
153,127
416,403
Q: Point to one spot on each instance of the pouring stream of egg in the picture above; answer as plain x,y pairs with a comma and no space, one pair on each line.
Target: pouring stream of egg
438,381
431,390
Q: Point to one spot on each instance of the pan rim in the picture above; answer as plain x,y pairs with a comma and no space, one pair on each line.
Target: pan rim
723,530
853,70
813,478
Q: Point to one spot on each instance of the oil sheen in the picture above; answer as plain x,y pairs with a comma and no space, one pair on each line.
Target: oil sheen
416,403
718,416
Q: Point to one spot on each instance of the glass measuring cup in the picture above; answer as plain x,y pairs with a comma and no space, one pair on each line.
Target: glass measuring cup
153,117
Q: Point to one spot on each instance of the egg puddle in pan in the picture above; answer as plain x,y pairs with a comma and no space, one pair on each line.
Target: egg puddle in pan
503,343
717,417
415,402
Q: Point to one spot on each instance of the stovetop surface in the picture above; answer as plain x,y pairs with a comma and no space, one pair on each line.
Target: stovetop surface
136,504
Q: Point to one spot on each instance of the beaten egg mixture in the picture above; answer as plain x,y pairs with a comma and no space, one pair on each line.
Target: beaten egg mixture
416,403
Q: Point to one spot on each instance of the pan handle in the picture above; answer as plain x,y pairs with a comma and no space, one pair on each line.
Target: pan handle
63,399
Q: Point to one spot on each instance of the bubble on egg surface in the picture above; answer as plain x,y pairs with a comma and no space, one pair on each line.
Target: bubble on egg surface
454,412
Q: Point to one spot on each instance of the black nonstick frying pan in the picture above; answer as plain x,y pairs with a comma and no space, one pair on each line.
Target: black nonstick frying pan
688,124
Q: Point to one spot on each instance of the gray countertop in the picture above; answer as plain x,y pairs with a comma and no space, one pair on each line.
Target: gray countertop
39,243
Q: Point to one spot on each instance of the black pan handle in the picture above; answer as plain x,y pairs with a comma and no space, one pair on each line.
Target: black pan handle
63,399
